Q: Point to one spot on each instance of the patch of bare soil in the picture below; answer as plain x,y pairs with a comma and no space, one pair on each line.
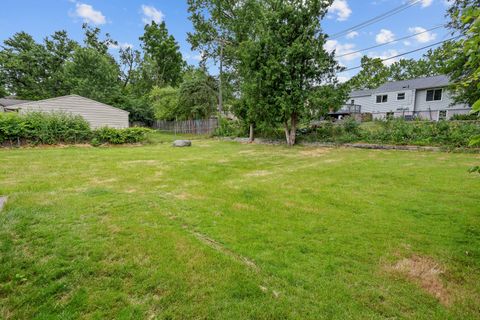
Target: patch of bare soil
426,273
316,152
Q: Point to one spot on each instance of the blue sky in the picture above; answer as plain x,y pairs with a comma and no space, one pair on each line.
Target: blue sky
125,20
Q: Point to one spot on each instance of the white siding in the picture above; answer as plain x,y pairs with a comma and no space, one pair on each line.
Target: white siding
369,103
421,103
96,113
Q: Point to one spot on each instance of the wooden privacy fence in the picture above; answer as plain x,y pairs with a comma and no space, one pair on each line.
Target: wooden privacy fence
203,126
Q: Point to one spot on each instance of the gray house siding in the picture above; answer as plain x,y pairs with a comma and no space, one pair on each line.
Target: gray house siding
415,102
421,103
95,113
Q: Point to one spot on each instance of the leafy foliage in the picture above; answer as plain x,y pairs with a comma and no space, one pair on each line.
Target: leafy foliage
397,131
464,67
54,128
43,128
163,62
165,102
120,136
197,96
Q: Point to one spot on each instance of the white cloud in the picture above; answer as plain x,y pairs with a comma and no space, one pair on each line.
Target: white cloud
341,49
407,43
425,36
384,36
352,35
151,13
88,14
192,56
386,55
343,79
426,3
341,9
120,45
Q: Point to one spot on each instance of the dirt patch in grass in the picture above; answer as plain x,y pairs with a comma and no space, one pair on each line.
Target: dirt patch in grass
425,272
316,152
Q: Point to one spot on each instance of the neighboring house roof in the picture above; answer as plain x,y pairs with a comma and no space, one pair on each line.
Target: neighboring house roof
6,102
412,84
28,103
361,93
419,83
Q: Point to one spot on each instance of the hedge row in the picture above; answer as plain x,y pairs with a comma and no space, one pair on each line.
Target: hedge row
398,132
61,128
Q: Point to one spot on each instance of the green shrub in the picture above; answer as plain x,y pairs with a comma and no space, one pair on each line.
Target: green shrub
53,128
229,128
12,128
471,116
351,126
396,131
120,136
43,128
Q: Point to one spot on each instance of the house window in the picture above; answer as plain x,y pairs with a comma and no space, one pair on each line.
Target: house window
382,98
352,102
434,95
401,96
442,115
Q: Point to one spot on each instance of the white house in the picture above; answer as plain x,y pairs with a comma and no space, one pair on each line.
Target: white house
96,113
425,98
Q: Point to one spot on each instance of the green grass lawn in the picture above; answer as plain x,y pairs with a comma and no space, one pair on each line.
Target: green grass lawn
229,231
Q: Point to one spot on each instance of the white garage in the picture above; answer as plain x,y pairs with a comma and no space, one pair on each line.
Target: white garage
96,113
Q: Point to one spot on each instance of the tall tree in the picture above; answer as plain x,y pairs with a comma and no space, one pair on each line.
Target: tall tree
372,75
197,95
287,60
93,75
464,66
163,63
24,66
130,60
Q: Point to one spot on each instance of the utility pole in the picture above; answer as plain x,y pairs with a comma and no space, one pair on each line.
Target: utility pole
220,82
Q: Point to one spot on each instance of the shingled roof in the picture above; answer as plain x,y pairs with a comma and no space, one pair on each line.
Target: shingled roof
412,84
419,83
7,102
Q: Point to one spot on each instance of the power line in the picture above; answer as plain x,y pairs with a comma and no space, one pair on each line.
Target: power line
389,42
376,19
404,54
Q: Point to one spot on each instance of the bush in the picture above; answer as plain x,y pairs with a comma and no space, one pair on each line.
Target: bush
471,116
54,128
119,136
229,128
351,126
396,131
43,128
12,128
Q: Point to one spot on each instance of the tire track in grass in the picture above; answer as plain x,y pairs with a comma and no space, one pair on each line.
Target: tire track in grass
217,246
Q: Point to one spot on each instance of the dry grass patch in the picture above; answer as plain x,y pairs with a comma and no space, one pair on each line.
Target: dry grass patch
425,272
258,173
316,152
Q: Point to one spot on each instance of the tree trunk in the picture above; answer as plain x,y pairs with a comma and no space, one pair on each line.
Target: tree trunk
251,138
291,130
